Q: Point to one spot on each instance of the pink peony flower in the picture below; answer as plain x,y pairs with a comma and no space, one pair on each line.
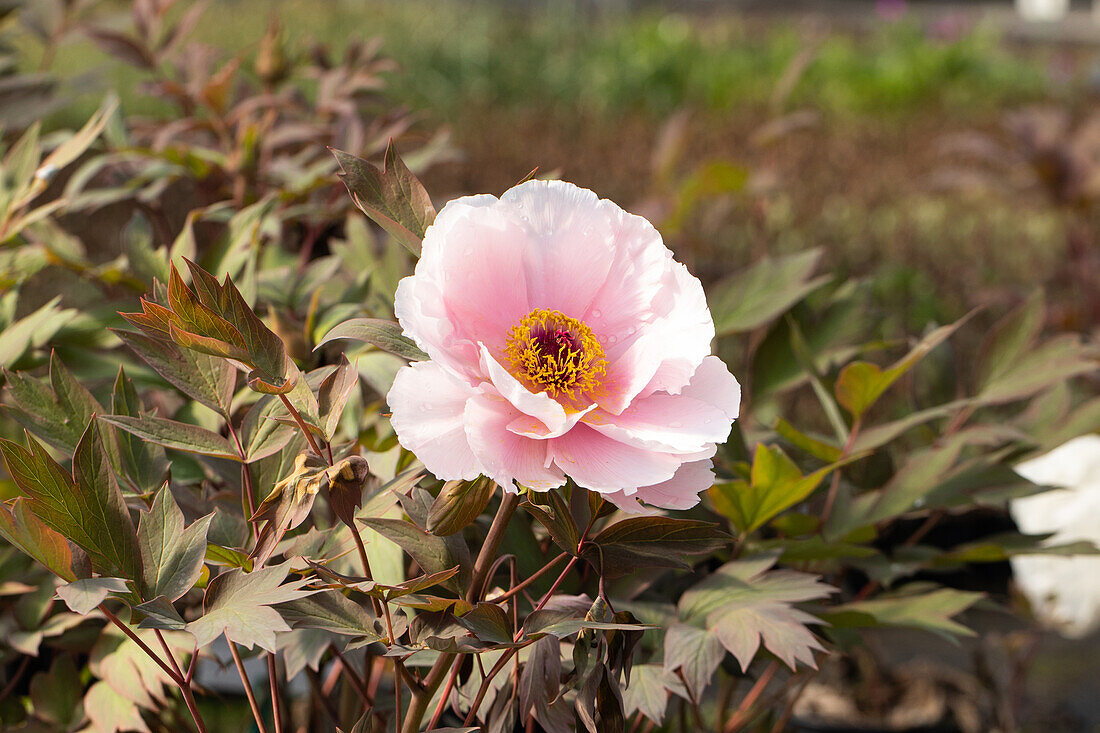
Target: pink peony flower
564,341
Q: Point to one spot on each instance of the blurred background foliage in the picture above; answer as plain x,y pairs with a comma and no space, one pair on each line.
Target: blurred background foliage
842,182
834,129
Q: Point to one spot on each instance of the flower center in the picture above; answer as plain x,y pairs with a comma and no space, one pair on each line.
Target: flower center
556,353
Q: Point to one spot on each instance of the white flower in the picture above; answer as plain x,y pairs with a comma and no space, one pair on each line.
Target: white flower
1063,591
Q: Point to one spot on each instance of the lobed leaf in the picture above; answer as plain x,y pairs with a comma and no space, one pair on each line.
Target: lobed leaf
744,605
776,484
23,529
240,605
143,463
83,596
331,611
172,555
200,376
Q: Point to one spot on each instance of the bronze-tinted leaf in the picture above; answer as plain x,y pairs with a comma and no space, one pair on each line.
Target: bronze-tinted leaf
663,542
392,196
458,504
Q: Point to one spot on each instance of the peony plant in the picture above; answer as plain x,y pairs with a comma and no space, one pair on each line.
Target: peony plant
662,541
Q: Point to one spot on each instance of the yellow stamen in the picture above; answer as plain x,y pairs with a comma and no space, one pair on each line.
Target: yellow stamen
556,354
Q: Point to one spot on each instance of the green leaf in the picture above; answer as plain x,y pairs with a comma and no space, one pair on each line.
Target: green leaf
745,605
160,614
384,335
488,622
172,555
1051,362
816,448
23,529
143,463
875,437
414,585
458,504
861,383
751,298
55,695
239,605
31,403
776,484
1009,340
266,350
199,326
430,552
204,378
392,196
333,393
261,434
227,556
108,709
695,652
914,607
662,542
998,548
82,596
82,139
102,503
914,480
332,611
176,435
648,691
57,413
32,331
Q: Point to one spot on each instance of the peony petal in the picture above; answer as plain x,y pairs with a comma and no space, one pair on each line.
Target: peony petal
630,504
505,456
428,404
664,422
567,253
712,383
684,330
468,285
667,347
682,490
538,405
534,428
602,464
419,307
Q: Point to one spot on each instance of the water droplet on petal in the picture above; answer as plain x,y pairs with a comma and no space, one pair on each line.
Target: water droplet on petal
596,314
